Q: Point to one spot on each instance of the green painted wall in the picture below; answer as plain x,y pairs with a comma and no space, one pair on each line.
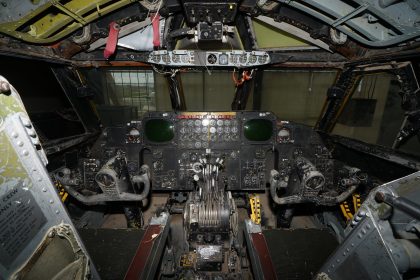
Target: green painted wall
269,37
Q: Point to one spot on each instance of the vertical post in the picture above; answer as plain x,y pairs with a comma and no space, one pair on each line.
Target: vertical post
258,84
71,85
337,97
176,92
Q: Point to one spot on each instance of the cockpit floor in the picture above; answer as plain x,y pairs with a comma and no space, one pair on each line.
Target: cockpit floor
298,254
111,250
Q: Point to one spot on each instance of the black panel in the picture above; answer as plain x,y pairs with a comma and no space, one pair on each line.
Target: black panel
246,163
172,144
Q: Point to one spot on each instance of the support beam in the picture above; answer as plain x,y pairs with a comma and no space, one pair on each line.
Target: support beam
337,97
176,92
350,15
71,84
257,94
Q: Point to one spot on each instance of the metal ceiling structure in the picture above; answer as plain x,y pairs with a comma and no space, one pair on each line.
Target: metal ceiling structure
374,23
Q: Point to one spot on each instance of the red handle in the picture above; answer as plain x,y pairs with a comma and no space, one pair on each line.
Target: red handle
111,42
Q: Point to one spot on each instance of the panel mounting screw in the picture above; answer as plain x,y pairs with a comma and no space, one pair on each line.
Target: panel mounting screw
4,87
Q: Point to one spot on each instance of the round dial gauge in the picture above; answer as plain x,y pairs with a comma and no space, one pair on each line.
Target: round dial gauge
212,59
176,58
166,58
262,59
133,135
185,58
234,58
134,132
243,58
156,58
223,59
252,58
283,134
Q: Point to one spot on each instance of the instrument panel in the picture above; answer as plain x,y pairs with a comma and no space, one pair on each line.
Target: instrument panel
175,144
234,58
197,130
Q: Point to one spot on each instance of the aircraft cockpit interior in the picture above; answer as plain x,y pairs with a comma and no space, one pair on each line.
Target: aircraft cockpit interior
209,140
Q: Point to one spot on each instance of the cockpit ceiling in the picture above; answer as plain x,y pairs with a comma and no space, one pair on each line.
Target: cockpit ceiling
44,22
374,23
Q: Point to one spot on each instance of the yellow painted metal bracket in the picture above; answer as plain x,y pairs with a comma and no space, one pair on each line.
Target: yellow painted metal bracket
356,202
345,207
68,12
255,203
61,191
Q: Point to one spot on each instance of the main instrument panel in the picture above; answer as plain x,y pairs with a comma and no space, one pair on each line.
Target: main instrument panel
176,144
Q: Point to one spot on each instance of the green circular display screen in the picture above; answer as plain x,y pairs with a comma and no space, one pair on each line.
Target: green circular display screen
159,130
258,129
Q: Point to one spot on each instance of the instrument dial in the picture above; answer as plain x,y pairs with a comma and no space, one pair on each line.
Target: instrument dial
166,58
185,58
133,135
283,135
252,58
243,58
223,59
134,132
176,58
262,59
212,59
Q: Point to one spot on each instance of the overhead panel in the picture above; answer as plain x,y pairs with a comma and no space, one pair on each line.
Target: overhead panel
49,21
